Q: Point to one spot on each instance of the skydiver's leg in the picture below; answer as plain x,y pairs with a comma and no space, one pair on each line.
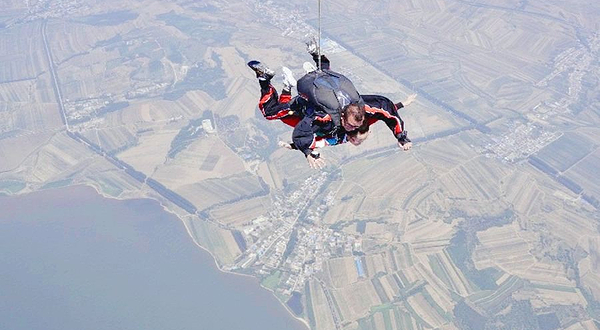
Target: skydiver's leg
269,103
285,96
289,81
312,46
290,118
274,107
264,75
325,64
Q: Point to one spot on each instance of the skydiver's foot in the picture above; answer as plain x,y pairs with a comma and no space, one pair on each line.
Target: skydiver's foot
261,70
309,67
288,79
312,46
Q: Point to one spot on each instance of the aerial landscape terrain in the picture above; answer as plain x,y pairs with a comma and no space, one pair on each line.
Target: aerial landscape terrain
491,221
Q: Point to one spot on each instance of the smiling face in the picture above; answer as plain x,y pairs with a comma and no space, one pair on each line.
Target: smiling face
353,117
358,138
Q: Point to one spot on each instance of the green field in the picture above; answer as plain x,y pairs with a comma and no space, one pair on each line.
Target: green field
12,187
271,281
57,184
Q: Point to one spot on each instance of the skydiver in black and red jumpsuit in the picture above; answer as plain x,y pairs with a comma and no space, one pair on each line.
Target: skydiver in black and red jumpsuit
307,131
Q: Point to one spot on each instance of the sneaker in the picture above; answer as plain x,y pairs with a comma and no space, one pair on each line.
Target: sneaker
312,46
262,72
309,67
288,78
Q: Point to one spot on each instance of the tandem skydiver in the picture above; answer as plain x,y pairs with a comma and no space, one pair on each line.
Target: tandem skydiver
314,116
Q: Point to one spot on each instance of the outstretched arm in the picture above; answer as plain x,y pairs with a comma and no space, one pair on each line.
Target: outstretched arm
378,107
405,143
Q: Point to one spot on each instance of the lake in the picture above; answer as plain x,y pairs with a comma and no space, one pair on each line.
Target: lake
71,259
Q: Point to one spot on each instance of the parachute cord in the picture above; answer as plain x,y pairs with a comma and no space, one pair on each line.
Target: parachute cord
319,35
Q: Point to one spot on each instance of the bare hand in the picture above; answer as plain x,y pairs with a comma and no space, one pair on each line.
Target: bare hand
284,145
406,146
315,163
410,99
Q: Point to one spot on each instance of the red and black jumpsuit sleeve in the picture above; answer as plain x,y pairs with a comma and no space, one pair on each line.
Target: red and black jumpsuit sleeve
272,106
379,107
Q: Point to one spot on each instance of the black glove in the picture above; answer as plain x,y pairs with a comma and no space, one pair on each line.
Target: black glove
403,138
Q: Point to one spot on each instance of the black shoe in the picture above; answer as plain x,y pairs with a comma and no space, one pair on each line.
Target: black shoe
262,72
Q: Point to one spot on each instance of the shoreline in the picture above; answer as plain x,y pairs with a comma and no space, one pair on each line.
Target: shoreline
189,234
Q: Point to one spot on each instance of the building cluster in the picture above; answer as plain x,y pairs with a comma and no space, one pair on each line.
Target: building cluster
524,140
291,22
153,90
84,109
52,8
576,62
292,240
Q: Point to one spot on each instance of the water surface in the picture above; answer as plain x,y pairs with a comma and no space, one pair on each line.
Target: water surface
71,259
